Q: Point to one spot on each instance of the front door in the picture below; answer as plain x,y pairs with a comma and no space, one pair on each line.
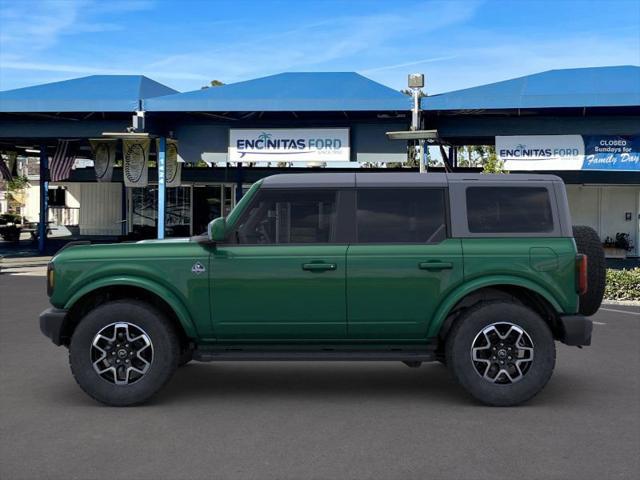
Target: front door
282,274
402,263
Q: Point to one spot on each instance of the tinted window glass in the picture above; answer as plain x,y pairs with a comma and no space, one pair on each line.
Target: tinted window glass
401,215
290,216
509,210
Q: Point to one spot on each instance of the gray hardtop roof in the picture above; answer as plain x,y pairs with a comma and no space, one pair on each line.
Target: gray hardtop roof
393,179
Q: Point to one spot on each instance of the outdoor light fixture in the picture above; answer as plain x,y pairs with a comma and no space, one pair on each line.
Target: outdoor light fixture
31,150
416,80
126,134
137,122
430,136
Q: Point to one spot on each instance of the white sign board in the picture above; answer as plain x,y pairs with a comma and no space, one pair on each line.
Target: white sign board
541,152
289,145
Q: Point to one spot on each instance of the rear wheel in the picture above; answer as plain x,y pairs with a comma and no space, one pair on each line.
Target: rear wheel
588,242
502,353
123,352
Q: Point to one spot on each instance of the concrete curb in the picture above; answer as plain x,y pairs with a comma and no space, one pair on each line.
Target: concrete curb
630,303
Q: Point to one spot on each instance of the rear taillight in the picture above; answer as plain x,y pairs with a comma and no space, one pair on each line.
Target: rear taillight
581,274
51,278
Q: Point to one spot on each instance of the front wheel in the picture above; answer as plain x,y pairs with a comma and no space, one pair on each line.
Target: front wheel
123,352
502,353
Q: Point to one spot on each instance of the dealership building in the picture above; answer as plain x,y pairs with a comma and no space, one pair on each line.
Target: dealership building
210,145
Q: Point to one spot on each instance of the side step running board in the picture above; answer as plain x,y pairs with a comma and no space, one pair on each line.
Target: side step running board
314,355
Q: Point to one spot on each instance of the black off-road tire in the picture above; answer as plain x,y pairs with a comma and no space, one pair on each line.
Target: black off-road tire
469,327
588,242
164,340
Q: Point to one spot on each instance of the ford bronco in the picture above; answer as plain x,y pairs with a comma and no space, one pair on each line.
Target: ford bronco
480,272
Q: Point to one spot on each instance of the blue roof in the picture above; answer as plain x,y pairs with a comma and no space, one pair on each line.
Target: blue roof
299,92
96,93
576,87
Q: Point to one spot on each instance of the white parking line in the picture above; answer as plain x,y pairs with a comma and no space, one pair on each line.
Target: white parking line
620,311
598,323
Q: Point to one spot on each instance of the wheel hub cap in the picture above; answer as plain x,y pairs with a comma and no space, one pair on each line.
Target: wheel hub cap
121,353
502,353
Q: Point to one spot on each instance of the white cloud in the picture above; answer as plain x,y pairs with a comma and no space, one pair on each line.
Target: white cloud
408,64
316,45
436,37
89,70
31,27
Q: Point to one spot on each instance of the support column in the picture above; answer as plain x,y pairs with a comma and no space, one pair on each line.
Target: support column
162,155
239,181
44,199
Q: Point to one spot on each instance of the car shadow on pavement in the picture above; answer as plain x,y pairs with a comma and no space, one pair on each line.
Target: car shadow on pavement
320,381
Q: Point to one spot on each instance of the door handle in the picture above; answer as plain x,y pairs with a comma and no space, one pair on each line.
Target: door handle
435,265
319,267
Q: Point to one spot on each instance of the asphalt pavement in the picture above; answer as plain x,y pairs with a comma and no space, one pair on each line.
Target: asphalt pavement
315,420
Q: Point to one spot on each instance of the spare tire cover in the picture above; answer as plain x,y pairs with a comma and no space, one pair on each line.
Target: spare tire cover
588,242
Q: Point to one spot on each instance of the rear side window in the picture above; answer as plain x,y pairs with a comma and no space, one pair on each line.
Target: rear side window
407,215
509,210
290,216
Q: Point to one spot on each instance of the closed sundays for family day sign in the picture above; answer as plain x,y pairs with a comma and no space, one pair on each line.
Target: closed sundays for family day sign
569,152
289,145
612,153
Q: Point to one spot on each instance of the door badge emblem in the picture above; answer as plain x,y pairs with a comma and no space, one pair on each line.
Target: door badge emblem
198,268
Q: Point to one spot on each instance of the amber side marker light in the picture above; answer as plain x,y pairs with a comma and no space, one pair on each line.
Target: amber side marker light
581,274
51,278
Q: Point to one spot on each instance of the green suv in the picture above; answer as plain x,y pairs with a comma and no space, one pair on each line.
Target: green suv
480,272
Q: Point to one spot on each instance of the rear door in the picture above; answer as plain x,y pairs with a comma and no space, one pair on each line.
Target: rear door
402,262
282,274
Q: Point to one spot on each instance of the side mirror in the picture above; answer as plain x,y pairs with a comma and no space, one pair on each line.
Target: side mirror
217,229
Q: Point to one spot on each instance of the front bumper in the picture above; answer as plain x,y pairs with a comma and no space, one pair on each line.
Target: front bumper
52,324
575,330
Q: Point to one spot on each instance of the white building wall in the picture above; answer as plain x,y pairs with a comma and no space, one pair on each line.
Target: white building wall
31,209
605,207
100,208
73,195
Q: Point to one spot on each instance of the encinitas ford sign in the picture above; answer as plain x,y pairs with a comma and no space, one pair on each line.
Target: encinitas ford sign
289,145
569,152
541,152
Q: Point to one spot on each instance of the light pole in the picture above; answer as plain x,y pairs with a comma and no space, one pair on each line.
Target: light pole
416,83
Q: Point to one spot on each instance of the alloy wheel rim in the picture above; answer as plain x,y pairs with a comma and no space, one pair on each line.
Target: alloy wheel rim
121,353
502,353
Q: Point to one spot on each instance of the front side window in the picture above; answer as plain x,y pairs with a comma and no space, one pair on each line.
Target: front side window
289,216
509,210
401,215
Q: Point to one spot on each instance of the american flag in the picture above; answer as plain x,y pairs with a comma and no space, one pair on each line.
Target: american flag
62,161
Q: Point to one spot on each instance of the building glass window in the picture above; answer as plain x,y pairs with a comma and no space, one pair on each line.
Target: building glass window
178,212
57,197
144,203
509,210
408,215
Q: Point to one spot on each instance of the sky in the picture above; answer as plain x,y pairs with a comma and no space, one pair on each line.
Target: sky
185,44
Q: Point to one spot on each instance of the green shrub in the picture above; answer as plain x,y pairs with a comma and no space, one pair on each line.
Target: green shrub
623,284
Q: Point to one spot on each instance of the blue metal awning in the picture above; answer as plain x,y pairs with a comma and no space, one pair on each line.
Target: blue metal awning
577,87
297,92
96,93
